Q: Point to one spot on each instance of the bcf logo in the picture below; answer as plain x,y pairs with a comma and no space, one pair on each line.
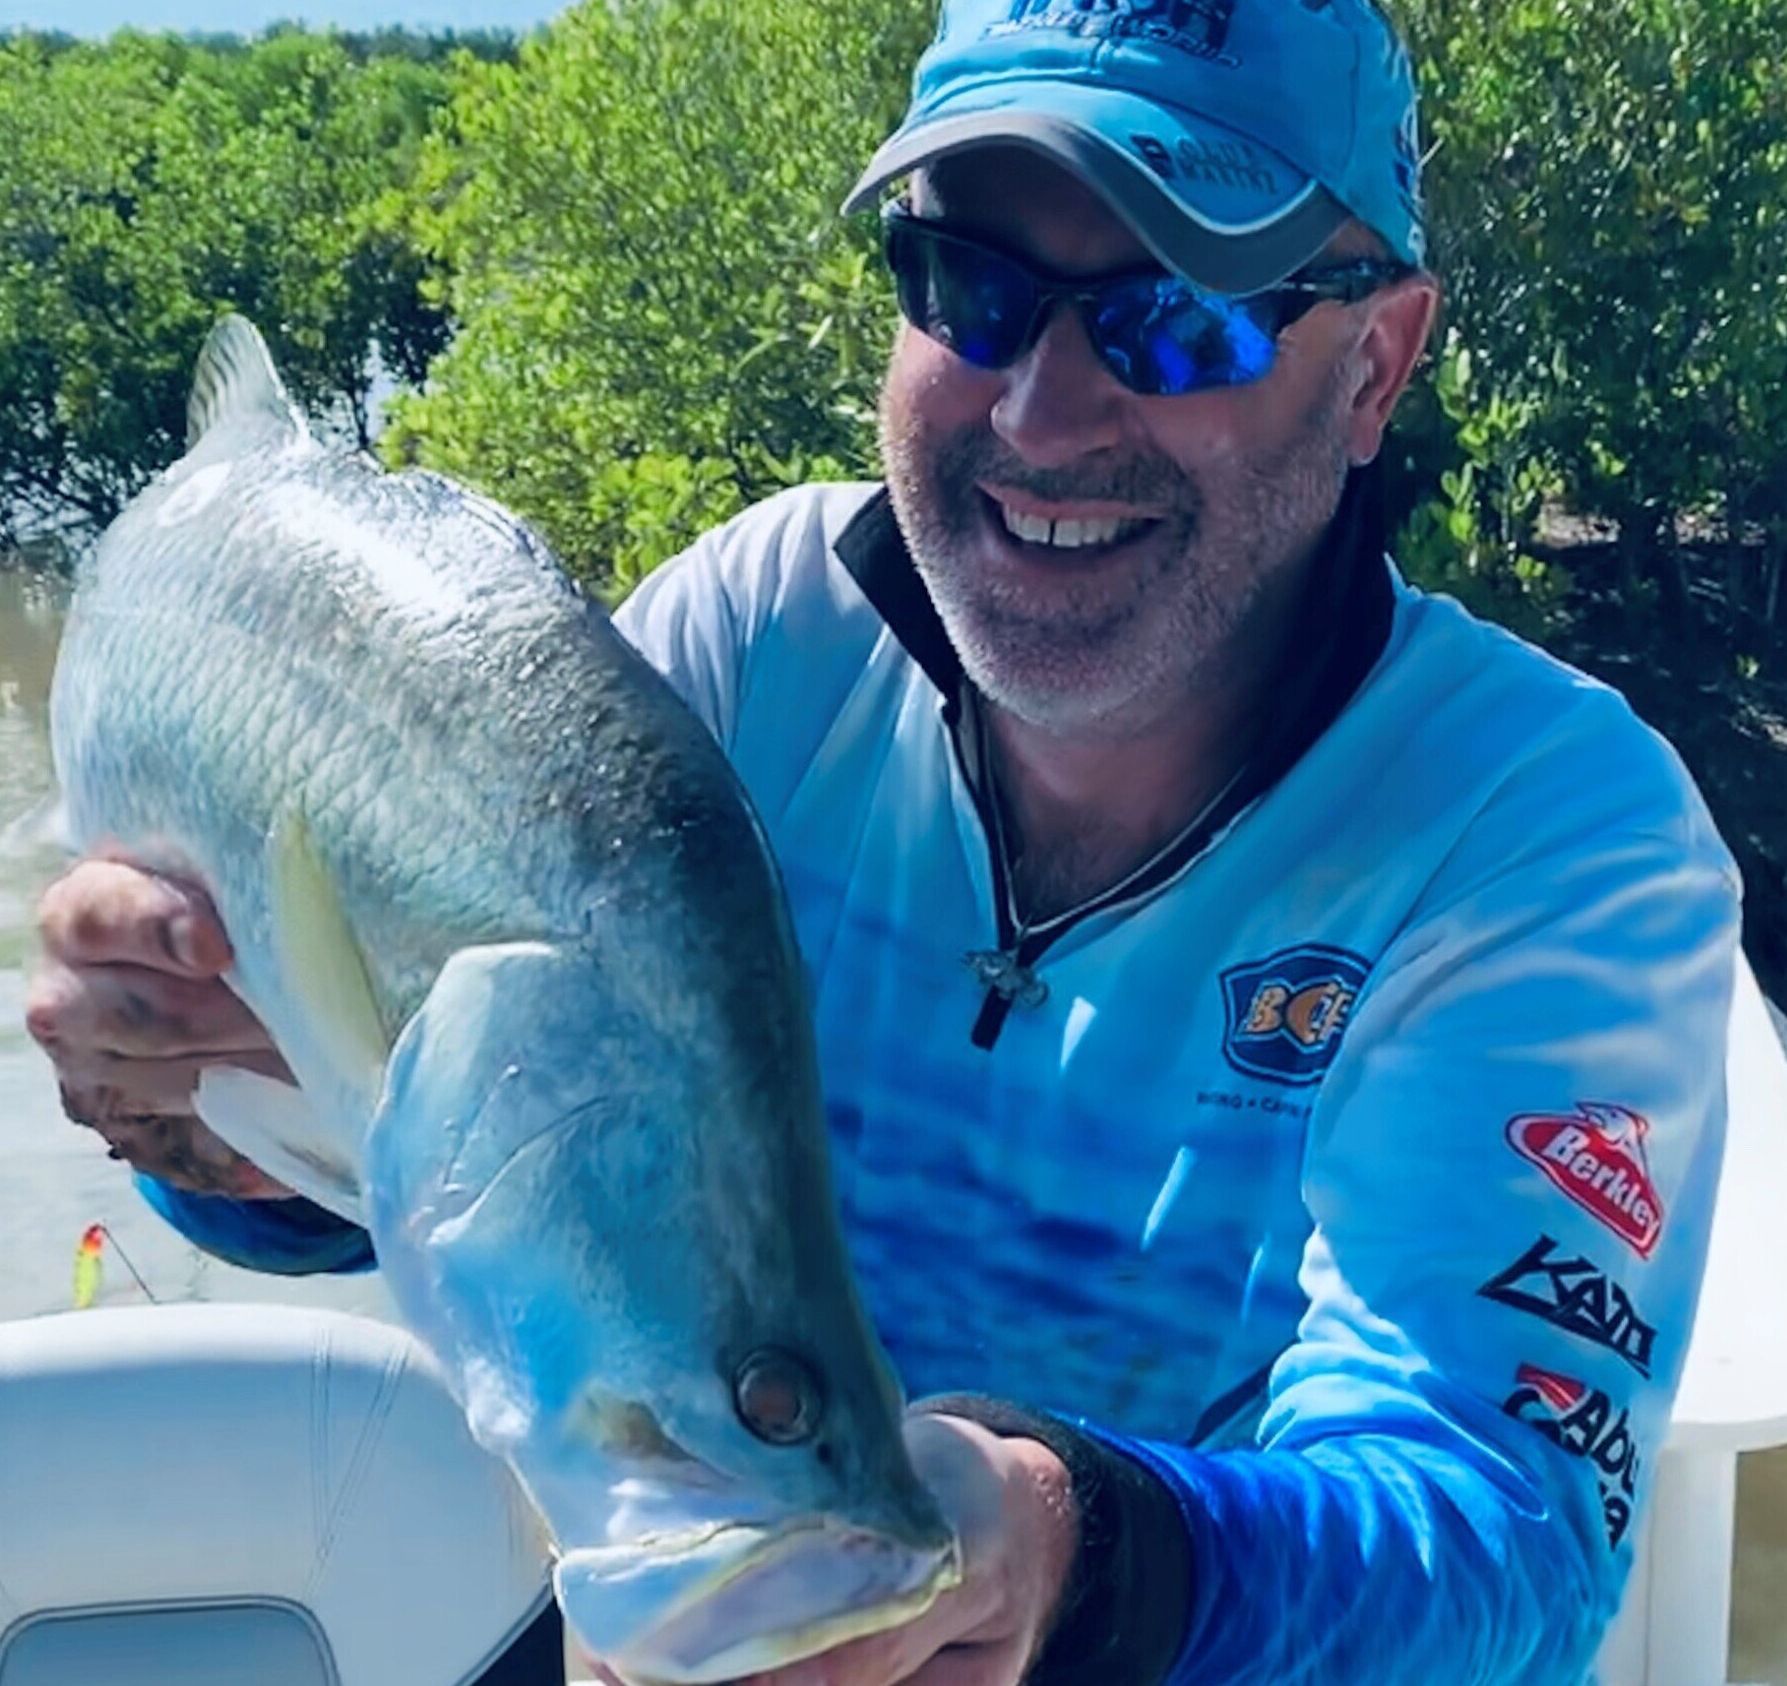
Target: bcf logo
1286,1013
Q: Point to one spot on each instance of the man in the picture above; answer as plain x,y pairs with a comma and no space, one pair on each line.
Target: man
1272,1022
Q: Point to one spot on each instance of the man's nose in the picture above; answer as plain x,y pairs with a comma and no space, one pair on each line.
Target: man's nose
1059,403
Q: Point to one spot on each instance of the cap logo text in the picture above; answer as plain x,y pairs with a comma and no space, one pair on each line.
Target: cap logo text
1193,26
1215,163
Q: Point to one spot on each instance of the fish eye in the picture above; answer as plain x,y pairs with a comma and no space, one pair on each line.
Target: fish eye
777,1397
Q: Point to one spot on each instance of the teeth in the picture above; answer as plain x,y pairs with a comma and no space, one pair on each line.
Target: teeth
1066,535
1029,527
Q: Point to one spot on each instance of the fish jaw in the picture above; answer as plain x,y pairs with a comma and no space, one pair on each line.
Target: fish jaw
718,1604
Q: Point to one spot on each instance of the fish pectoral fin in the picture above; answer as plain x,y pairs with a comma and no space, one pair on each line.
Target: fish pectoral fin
271,1124
503,1049
236,385
320,959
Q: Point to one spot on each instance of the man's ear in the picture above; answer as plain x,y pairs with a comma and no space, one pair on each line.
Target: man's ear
1401,319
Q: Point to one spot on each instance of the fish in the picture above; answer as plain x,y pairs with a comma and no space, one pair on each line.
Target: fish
507,913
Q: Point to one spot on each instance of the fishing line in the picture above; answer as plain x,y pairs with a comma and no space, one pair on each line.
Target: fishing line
136,1275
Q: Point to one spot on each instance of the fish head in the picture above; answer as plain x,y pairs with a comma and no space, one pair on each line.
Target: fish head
715,1529
631,1271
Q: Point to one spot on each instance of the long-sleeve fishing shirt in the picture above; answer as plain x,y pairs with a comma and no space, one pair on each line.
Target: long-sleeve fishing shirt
1332,1193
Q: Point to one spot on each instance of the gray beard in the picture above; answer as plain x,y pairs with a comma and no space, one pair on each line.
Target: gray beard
1104,662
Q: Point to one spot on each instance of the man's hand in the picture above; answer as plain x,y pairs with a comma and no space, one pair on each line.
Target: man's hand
1011,1503
130,1005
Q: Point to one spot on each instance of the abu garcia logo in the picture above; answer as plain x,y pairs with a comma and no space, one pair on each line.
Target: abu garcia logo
1584,1422
1193,26
1286,1013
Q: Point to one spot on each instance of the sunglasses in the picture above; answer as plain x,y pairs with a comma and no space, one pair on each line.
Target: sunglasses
1159,334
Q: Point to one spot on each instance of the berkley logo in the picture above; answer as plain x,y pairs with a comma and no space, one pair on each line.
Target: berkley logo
1286,1013
1585,1422
1597,1159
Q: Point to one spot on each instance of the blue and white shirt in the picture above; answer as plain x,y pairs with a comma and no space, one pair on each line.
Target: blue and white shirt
1335,1192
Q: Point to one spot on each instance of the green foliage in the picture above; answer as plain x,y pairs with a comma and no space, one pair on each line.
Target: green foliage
632,219
1469,540
436,47
662,316
1610,189
152,183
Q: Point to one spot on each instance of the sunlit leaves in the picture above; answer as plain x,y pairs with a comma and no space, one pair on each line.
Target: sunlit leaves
662,316
152,183
1610,192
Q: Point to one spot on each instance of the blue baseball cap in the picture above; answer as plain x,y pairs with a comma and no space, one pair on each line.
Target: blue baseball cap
1234,136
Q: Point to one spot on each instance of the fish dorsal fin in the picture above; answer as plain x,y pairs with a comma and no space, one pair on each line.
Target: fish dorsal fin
236,385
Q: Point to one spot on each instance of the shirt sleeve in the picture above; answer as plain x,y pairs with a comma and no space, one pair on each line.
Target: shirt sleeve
1510,1177
278,1237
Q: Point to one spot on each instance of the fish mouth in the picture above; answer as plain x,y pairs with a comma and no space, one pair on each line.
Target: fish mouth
719,1604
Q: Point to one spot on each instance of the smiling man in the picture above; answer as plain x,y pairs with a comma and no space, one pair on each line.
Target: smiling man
1272,1022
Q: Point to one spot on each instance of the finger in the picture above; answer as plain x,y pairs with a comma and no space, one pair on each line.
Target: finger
180,1151
101,912
124,1009
114,1086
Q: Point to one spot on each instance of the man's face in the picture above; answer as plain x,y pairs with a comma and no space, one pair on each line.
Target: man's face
1179,524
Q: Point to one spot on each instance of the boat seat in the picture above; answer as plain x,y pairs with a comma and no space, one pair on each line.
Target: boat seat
209,1494
1674,1628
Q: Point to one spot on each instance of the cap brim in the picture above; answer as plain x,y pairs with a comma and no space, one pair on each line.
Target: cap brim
1242,228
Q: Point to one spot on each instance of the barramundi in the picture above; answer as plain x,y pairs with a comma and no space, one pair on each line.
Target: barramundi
513,925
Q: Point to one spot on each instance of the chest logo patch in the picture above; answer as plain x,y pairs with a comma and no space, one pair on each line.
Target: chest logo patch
1286,1013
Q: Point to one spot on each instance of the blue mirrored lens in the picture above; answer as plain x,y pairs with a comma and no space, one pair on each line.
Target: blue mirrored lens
1162,337
969,299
